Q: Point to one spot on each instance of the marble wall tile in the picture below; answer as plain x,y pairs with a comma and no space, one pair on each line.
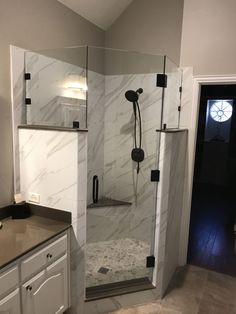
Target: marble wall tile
114,133
54,165
82,153
110,222
175,204
77,272
162,210
173,149
42,171
96,109
120,179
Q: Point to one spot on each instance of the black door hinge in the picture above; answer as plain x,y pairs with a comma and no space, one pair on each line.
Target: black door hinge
179,108
155,175
150,261
27,76
180,89
161,80
75,124
28,101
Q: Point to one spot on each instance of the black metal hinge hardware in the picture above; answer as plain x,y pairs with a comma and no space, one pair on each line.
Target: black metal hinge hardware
75,124
179,108
180,89
150,261
155,175
27,76
28,101
161,80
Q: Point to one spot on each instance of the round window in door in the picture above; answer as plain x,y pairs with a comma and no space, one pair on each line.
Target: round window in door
221,110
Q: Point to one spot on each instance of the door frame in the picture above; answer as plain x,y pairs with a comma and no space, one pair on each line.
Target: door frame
198,81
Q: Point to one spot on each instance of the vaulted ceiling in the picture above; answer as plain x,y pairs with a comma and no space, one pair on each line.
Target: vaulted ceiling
100,12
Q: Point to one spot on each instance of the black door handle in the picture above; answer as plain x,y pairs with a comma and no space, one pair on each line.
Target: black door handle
95,188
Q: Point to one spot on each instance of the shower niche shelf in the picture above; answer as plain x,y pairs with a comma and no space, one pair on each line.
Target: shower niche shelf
108,202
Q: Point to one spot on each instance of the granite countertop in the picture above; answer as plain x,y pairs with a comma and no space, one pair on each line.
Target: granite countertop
19,236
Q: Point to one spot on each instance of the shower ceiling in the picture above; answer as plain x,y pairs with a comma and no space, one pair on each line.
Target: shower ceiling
100,12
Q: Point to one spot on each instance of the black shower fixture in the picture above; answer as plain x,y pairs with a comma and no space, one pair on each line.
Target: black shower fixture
133,96
137,153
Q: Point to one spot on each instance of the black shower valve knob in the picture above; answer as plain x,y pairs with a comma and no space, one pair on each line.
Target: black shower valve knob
137,154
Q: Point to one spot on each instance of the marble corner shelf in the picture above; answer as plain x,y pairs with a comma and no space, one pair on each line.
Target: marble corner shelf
108,202
49,127
174,130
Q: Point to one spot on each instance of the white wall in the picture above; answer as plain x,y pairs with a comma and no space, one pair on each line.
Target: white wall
37,24
208,36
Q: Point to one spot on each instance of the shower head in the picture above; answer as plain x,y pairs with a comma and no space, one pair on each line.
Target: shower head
133,96
137,153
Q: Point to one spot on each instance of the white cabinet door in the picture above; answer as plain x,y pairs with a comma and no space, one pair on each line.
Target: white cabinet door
11,303
47,292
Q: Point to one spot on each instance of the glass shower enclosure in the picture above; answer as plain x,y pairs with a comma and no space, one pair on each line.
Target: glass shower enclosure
86,87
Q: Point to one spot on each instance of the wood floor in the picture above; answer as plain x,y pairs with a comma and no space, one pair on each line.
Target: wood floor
212,239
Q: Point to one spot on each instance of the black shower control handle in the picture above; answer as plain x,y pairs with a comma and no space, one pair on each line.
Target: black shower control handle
95,188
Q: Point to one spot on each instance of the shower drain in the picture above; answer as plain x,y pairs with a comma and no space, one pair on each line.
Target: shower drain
103,270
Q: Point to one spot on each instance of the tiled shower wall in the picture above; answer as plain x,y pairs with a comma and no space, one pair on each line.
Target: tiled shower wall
121,181
96,113
61,185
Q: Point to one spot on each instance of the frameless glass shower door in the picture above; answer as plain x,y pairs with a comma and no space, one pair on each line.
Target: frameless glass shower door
121,219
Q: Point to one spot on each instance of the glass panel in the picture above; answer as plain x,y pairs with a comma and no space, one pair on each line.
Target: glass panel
58,87
172,95
120,226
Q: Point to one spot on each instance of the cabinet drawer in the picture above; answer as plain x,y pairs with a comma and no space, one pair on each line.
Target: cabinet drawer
11,303
43,257
8,280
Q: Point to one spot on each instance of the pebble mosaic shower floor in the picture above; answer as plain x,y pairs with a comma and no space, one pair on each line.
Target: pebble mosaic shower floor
116,260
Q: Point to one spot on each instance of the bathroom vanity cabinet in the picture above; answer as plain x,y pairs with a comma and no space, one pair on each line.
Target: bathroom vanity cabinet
11,303
38,282
9,291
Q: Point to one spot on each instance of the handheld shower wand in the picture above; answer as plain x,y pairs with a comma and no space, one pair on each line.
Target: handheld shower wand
137,153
